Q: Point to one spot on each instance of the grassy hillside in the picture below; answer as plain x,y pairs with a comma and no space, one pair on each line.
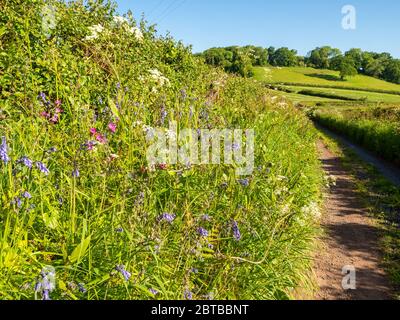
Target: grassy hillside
322,78
77,193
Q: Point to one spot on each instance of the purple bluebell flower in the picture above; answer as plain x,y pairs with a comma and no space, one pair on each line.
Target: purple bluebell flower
153,291
119,230
194,270
236,146
4,151
244,182
82,288
187,295
118,85
202,232
236,232
42,168
46,282
46,295
25,161
75,173
17,201
206,217
121,268
26,195
164,115
168,217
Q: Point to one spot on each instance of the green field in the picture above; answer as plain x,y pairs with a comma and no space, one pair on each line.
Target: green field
357,108
322,78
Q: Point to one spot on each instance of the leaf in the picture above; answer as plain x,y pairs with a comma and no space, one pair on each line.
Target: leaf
80,251
113,108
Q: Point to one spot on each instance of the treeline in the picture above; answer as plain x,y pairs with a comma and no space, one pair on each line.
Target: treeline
240,60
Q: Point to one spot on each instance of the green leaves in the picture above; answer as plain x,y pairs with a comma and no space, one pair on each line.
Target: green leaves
80,251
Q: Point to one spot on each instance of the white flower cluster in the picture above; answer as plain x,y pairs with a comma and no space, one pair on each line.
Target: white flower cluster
123,22
119,22
158,77
95,31
312,210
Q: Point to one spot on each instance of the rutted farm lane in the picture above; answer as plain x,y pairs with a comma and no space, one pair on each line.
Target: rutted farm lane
350,240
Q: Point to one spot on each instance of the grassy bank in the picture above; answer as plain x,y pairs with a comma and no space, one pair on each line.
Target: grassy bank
77,193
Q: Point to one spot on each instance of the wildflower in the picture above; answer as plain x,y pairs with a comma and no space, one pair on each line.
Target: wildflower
54,119
158,77
119,230
41,167
100,138
153,291
82,288
235,146
4,151
46,295
120,20
17,201
58,110
137,33
93,131
194,270
206,217
46,282
52,150
187,295
244,182
25,161
75,173
95,31
167,217
42,96
164,115
113,127
236,231
121,268
27,195
202,232
45,114
58,103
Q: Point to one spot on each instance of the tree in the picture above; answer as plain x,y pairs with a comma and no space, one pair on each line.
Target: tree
284,57
392,71
321,57
356,55
347,68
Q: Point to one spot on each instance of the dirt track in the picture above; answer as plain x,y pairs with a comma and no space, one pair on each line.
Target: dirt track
350,239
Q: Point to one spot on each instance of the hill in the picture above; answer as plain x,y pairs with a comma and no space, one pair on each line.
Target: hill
321,78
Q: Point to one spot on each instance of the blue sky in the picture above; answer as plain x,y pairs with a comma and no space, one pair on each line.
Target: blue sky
297,24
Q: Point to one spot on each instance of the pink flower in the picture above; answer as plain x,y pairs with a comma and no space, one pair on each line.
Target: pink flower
54,119
113,127
93,131
59,110
58,103
100,138
44,114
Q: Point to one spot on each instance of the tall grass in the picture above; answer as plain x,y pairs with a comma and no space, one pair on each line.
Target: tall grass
112,227
376,129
